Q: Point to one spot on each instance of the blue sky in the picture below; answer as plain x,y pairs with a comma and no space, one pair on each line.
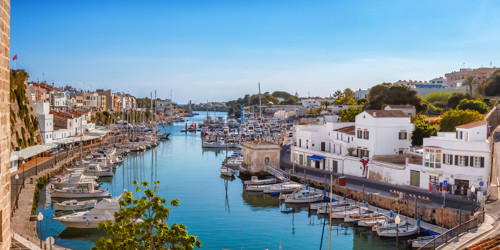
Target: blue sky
220,50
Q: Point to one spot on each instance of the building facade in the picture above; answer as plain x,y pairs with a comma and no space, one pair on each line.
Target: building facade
5,187
45,121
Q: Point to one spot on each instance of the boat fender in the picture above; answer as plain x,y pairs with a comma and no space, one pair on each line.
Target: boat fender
87,222
58,179
62,175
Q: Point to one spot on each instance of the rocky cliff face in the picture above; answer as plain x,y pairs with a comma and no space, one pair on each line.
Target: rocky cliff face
24,127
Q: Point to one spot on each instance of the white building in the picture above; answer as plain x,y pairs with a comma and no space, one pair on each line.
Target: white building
383,132
462,159
165,107
60,99
94,102
311,103
45,121
362,93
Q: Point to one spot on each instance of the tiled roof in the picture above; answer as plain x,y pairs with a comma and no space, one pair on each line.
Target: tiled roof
405,106
348,130
473,124
386,113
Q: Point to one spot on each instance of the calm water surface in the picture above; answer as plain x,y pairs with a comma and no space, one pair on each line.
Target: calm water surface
218,211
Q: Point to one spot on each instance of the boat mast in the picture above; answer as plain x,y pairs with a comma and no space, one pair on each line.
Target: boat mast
330,214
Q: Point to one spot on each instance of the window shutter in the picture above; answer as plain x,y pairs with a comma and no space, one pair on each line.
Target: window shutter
444,158
450,159
482,162
471,160
466,160
456,160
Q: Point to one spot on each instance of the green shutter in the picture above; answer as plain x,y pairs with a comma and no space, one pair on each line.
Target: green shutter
466,161
482,162
444,158
471,161
456,160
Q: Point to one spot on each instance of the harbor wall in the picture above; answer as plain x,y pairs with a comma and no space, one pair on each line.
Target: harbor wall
447,217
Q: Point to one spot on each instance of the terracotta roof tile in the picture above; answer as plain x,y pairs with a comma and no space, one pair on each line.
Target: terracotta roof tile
473,124
386,113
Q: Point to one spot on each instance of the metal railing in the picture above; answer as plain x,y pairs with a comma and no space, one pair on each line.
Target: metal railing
454,232
276,171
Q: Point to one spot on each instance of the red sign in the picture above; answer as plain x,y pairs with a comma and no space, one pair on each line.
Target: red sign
430,187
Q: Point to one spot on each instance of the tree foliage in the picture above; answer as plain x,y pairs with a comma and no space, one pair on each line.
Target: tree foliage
422,130
141,223
492,85
438,98
385,94
456,97
471,82
476,105
457,117
434,111
349,114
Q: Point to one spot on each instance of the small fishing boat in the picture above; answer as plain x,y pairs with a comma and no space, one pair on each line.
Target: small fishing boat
366,215
423,240
227,171
370,223
81,191
303,196
102,212
71,205
254,180
284,188
91,169
406,230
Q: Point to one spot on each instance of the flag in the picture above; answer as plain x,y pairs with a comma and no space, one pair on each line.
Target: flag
14,58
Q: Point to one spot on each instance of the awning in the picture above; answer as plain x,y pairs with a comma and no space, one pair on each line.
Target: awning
31,151
316,157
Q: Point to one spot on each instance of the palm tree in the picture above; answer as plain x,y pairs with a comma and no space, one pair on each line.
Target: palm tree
338,94
470,82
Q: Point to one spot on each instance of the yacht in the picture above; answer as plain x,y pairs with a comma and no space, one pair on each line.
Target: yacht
71,205
82,191
102,212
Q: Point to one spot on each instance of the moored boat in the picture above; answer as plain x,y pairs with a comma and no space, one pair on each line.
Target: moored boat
71,205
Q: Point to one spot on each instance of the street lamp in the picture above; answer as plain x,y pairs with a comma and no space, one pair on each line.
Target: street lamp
473,192
40,218
397,221
23,171
17,187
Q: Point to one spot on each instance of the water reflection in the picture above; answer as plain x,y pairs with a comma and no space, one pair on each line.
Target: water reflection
258,200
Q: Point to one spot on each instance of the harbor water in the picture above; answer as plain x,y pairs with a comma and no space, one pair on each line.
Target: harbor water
218,211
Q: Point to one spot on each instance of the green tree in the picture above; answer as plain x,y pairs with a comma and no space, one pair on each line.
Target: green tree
349,114
385,94
492,85
141,223
457,117
438,98
476,105
349,93
422,130
456,97
338,94
434,111
471,83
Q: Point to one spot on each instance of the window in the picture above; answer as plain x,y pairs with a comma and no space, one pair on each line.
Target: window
323,146
266,161
433,179
308,162
403,135
359,133
307,143
477,161
432,158
366,135
448,159
300,143
461,160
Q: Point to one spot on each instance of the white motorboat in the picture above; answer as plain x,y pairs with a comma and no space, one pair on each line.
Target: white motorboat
92,169
366,215
72,180
303,196
81,191
370,223
284,188
71,205
254,180
342,213
102,212
405,230
226,171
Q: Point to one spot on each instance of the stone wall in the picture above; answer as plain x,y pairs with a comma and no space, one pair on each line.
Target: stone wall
256,153
406,207
5,124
